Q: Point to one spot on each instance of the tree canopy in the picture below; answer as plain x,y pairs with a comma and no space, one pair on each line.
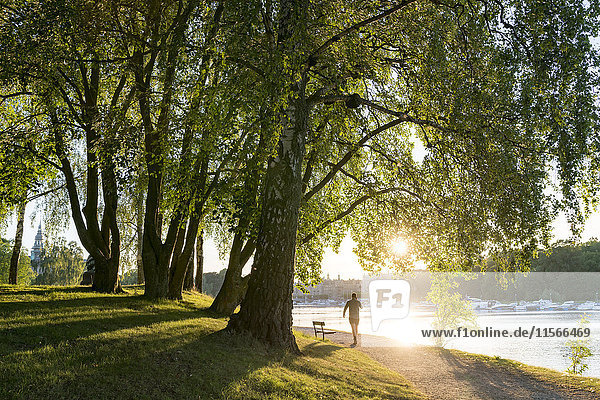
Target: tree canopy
287,124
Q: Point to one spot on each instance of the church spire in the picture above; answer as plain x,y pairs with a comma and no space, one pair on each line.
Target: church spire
37,250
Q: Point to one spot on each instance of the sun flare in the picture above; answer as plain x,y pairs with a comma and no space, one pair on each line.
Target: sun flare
399,247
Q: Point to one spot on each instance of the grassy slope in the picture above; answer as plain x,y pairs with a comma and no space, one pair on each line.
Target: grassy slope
71,343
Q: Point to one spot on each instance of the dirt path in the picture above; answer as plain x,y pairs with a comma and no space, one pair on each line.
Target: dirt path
443,375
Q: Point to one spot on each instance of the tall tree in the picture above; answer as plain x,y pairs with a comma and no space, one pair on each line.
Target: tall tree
475,81
266,310
80,97
176,197
242,219
14,260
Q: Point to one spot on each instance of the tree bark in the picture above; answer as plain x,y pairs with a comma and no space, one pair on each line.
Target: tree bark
179,270
266,311
156,269
105,272
14,260
110,234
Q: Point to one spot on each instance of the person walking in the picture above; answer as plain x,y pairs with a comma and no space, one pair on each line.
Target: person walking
353,306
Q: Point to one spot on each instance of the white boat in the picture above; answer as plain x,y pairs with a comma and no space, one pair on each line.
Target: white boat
478,304
547,305
551,307
567,306
587,306
503,307
521,308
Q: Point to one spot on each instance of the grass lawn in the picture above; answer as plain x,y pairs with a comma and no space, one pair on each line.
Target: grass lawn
71,343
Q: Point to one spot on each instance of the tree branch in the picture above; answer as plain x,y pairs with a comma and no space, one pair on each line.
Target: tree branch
15,94
36,154
354,28
347,211
351,153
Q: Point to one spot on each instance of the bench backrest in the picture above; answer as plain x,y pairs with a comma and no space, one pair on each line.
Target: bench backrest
318,323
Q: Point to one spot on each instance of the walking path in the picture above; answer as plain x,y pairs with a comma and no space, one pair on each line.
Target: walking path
442,374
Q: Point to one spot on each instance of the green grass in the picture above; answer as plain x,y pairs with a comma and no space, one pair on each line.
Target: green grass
554,377
71,343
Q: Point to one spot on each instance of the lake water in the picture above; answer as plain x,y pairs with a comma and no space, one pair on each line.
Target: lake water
542,352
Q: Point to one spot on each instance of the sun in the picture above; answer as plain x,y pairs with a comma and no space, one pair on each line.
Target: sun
399,247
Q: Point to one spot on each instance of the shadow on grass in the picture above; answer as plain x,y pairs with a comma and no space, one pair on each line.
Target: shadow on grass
497,382
320,349
107,302
116,347
28,325
186,364
32,336
43,290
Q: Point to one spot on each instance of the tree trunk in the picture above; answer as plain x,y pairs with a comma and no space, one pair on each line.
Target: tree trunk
139,241
199,261
101,239
234,286
176,277
182,258
188,282
106,276
177,268
232,296
266,311
106,273
14,260
156,271
156,255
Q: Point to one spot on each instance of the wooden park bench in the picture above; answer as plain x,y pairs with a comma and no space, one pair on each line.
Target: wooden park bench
319,327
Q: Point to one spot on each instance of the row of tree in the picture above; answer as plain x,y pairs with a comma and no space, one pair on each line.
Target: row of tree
279,126
569,257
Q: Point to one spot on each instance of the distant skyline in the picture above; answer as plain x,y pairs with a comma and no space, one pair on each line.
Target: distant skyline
345,263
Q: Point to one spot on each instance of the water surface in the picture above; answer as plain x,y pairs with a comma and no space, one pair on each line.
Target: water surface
543,352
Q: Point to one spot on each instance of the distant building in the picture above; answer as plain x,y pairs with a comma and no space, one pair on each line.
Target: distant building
332,289
37,251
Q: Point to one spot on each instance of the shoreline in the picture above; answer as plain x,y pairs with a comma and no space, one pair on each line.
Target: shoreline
453,374
540,351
